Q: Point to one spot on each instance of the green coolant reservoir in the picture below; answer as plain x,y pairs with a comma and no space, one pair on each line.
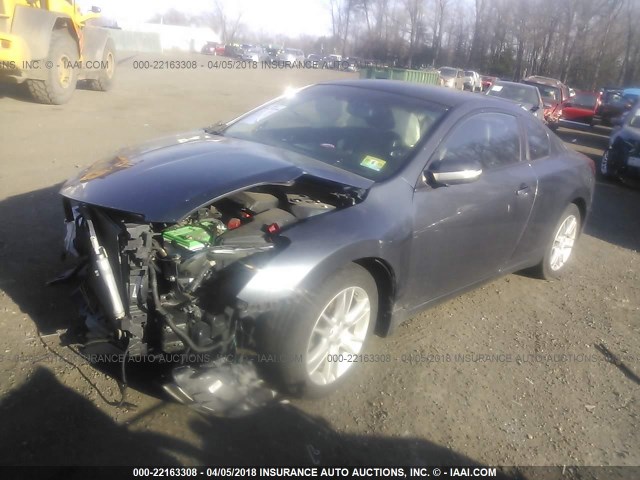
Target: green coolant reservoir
192,237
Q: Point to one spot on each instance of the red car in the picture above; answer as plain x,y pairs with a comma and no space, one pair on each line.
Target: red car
212,48
487,82
554,93
581,108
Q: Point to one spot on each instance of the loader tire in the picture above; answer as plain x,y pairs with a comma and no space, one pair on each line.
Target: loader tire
104,82
61,71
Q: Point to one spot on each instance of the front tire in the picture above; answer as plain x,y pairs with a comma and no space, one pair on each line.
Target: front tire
62,77
561,245
311,347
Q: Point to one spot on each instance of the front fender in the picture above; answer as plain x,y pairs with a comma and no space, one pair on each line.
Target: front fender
324,244
34,26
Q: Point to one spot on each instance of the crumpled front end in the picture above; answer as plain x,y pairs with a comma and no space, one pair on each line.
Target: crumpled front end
158,289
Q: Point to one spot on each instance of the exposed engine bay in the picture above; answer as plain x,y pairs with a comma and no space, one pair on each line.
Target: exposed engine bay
158,289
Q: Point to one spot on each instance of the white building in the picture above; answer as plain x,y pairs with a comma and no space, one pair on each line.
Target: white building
174,37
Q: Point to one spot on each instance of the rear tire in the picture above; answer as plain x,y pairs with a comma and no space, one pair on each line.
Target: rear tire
561,244
105,79
62,77
306,342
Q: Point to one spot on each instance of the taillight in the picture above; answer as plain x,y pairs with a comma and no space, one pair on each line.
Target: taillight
273,229
234,223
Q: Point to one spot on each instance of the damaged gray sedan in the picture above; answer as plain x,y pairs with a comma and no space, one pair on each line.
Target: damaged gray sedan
294,232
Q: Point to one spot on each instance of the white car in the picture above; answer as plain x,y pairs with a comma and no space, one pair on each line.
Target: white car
291,55
472,81
451,77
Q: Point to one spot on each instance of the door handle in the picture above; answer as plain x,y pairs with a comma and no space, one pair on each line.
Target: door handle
523,191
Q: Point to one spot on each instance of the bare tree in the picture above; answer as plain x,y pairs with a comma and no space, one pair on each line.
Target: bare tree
415,10
227,23
586,43
440,11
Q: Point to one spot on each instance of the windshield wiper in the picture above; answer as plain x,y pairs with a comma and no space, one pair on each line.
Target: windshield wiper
216,129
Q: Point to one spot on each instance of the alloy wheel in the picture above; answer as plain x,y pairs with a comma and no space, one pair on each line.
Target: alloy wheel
338,334
563,243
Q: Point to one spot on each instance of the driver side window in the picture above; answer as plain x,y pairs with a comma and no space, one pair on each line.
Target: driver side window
493,139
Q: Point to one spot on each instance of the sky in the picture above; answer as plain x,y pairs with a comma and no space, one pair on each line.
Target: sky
287,17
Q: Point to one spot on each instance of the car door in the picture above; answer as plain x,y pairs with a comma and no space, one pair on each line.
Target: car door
465,233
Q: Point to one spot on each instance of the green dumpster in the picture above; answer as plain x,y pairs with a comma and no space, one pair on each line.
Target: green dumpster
427,77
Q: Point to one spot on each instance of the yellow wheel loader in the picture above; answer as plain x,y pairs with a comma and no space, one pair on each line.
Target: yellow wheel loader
47,45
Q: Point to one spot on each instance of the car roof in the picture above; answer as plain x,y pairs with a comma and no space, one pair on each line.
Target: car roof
431,93
506,82
551,82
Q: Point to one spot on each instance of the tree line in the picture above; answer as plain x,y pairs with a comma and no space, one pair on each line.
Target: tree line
584,43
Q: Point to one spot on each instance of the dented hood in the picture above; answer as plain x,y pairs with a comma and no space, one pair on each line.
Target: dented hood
167,179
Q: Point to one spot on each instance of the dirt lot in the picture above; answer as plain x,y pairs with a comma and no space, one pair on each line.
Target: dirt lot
551,398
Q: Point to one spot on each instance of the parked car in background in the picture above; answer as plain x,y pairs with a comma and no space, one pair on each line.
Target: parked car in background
256,54
612,105
487,81
527,96
274,235
213,48
350,64
472,81
314,60
631,94
451,77
333,61
233,51
272,52
290,55
622,159
581,108
554,93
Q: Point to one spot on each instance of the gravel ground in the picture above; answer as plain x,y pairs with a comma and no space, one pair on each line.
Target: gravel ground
518,372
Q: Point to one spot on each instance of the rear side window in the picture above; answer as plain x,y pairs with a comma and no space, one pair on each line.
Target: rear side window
491,138
538,140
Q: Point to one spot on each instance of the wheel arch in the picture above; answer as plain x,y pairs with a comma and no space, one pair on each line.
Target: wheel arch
582,208
385,279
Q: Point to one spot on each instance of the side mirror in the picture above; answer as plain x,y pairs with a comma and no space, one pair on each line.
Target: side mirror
535,108
96,9
453,172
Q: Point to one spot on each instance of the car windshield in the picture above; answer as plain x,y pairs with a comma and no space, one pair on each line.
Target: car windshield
515,92
367,132
448,72
548,92
634,118
585,100
467,73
